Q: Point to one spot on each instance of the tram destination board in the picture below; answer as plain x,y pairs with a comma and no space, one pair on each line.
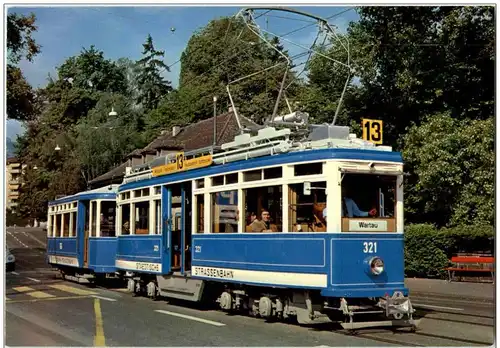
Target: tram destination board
182,164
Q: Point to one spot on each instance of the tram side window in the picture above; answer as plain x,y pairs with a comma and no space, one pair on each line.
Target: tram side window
307,212
200,213
125,223
87,215
58,225
367,195
66,225
107,219
93,230
157,216
264,209
142,217
225,213
50,226
73,227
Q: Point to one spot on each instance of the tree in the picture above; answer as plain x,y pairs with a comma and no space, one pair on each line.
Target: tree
224,51
453,165
20,95
418,61
19,41
152,86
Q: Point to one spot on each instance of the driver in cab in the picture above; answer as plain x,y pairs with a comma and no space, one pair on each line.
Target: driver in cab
349,206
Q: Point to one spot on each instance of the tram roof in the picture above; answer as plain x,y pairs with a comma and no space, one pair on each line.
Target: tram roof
270,160
107,192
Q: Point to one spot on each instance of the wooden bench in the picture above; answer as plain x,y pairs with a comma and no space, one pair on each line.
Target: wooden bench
481,264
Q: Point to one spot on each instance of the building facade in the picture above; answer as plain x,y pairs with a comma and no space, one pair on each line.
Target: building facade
13,176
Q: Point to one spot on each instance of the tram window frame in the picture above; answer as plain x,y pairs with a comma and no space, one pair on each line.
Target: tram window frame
308,169
276,212
144,204
125,219
157,217
216,224
111,217
94,219
65,231
311,219
370,180
218,180
251,175
74,229
200,213
200,183
50,224
58,222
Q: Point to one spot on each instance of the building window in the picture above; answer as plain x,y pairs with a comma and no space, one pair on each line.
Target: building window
273,173
225,212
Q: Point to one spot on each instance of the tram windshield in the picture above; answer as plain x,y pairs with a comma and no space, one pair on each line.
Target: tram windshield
368,196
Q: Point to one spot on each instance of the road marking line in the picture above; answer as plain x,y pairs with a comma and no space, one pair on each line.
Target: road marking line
72,290
49,299
23,289
438,307
33,279
99,339
190,317
40,294
104,298
15,273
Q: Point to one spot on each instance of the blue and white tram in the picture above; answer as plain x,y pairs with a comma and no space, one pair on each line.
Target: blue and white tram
272,227
81,239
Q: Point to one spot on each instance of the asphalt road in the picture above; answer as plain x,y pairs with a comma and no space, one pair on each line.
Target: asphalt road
42,309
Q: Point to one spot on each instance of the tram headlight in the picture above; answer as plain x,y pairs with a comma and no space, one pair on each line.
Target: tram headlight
377,265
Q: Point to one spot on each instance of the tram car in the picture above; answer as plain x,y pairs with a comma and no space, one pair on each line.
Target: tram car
81,238
271,226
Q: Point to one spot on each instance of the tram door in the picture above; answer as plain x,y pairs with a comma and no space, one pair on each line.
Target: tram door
176,227
86,234
186,227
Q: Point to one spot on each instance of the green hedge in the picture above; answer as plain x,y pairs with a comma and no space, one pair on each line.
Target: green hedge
428,250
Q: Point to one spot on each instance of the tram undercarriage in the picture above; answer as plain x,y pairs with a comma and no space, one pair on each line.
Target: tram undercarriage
279,304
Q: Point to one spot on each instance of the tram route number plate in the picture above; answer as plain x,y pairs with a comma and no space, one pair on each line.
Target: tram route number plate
144,266
212,272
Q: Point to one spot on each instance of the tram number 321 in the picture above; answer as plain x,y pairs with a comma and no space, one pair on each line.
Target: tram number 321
369,247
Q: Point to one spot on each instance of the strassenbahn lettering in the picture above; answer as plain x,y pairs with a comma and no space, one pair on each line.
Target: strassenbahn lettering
141,266
213,272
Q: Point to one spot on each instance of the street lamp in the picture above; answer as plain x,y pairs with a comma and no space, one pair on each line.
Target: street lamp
57,148
113,112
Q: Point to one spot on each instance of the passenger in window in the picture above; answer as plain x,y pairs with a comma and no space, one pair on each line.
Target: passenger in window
264,224
319,224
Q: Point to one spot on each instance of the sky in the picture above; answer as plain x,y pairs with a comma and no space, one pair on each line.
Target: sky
121,31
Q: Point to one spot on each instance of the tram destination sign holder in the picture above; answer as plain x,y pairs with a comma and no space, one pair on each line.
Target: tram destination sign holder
182,164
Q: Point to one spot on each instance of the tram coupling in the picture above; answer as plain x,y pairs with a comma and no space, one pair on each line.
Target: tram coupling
397,311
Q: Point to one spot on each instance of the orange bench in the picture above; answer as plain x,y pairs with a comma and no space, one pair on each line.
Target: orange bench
471,264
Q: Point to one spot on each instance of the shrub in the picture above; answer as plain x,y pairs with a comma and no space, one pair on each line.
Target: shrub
428,250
